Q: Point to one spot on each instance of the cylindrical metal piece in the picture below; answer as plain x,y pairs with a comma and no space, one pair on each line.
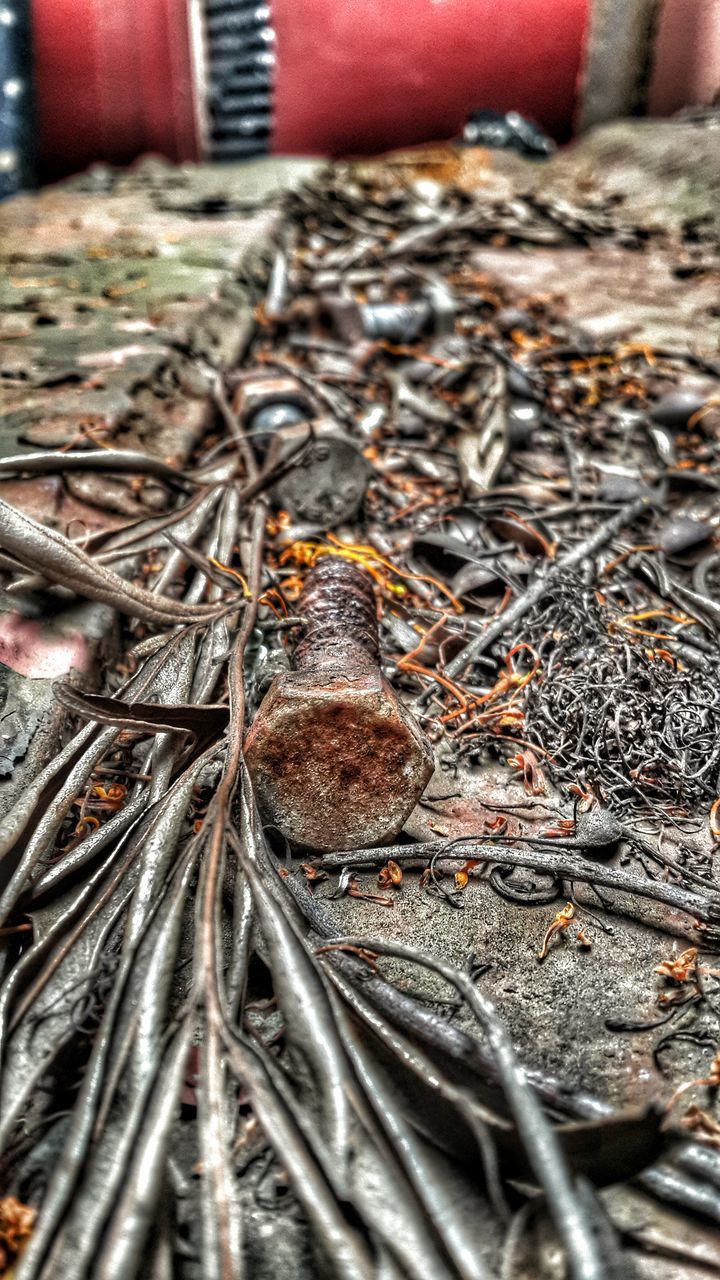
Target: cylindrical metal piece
335,758
337,606
16,113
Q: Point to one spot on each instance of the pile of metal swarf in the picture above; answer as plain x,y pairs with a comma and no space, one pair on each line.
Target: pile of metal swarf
364,918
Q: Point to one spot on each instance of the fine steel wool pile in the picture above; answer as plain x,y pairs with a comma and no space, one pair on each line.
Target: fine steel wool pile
360,738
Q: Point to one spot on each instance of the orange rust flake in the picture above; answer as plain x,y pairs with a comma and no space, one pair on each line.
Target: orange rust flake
17,1221
390,875
680,968
562,920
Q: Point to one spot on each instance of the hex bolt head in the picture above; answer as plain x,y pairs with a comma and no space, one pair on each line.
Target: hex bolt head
336,760
336,763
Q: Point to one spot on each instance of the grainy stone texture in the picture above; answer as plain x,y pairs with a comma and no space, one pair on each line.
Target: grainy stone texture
121,292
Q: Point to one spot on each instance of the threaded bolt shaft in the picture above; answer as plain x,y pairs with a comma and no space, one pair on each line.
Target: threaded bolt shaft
340,628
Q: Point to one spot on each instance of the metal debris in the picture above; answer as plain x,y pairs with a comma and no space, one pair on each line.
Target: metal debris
215,1056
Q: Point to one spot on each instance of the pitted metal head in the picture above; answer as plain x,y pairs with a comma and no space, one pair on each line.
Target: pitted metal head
327,486
337,763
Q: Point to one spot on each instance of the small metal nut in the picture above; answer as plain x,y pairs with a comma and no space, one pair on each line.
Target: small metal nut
259,391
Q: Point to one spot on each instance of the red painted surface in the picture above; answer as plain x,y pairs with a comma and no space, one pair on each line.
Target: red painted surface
37,650
369,75
113,79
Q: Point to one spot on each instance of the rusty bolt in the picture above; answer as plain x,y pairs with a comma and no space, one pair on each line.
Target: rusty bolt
336,760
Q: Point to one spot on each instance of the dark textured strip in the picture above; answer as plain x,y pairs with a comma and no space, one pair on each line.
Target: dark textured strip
16,107
239,39
251,60
238,148
238,20
241,126
235,104
222,6
229,43
251,82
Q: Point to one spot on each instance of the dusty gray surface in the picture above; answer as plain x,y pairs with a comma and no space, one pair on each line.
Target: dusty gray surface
616,294
121,293
556,1007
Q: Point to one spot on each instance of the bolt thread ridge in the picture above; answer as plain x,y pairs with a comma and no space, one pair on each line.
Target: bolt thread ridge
337,606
